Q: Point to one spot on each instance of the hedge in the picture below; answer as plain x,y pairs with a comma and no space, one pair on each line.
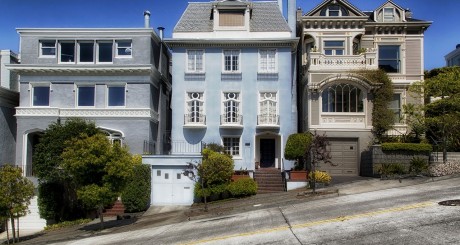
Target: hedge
136,195
412,147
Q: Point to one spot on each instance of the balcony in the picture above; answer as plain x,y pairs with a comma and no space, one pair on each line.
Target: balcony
231,122
194,121
321,62
268,121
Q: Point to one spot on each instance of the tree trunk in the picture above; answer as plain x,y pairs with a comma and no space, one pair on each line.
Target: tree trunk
7,231
13,228
17,223
204,192
101,217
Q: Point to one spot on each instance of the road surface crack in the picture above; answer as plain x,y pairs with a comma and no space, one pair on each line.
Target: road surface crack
289,225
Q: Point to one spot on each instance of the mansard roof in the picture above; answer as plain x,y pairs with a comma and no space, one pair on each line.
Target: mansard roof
265,17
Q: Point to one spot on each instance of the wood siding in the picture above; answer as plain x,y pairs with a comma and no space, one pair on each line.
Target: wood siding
413,57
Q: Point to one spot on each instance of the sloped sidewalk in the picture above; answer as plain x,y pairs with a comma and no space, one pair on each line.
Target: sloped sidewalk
159,216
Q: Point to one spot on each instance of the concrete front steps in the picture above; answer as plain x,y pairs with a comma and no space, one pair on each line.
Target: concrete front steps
117,209
269,180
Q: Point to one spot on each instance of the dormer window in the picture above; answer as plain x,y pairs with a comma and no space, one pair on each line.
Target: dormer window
334,10
231,18
388,14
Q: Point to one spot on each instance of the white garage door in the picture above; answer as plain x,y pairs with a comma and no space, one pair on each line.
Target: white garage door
171,187
344,153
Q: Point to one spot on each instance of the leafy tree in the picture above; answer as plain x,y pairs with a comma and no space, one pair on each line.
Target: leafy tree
296,146
382,115
214,172
57,197
441,90
15,192
99,170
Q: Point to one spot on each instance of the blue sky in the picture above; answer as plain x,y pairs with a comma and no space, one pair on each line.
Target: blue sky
440,38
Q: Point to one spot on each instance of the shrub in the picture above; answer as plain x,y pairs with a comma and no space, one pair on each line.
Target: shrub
391,169
412,147
215,190
243,187
136,195
320,176
296,147
217,169
66,224
418,165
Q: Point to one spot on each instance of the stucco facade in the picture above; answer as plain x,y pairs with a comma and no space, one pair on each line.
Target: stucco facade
9,99
338,38
117,78
223,91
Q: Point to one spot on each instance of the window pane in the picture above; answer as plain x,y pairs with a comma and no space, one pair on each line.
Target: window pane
85,96
41,96
86,52
231,18
48,47
339,52
389,60
116,96
333,43
105,52
67,52
124,48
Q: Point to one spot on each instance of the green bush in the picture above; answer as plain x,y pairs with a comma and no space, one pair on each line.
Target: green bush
391,169
296,145
243,187
136,195
412,147
215,190
66,224
217,169
418,165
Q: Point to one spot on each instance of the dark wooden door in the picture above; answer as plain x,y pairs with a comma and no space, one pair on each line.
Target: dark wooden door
267,153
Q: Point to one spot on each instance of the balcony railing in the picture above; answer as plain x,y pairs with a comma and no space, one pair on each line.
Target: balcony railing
193,120
320,61
231,121
268,120
184,147
149,147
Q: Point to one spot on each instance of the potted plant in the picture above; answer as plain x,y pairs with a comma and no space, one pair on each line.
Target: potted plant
240,174
297,147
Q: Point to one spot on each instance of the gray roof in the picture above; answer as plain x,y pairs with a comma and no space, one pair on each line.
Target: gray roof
266,17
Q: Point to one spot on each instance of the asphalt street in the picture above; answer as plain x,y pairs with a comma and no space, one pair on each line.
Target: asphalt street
404,215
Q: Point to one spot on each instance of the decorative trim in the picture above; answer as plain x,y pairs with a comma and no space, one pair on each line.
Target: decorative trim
89,113
199,43
148,69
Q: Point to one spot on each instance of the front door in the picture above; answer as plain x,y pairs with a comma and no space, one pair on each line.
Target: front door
267,153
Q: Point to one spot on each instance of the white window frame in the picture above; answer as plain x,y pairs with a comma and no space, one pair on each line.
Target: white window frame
195,56
264,55
274,119
97,43
232,142
42,47
125,94
77,92
402,102
231,100
201,106
393,17
32,91
78,55
117,48
334,48
231,61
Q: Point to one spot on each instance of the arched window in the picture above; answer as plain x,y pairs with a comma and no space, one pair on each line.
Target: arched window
113,136
343,98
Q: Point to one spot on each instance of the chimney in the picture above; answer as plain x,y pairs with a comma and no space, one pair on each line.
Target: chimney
292,16
408,13
147,19
280,5
161,32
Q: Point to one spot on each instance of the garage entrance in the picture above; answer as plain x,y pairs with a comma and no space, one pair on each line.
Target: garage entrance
170,186
344,153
